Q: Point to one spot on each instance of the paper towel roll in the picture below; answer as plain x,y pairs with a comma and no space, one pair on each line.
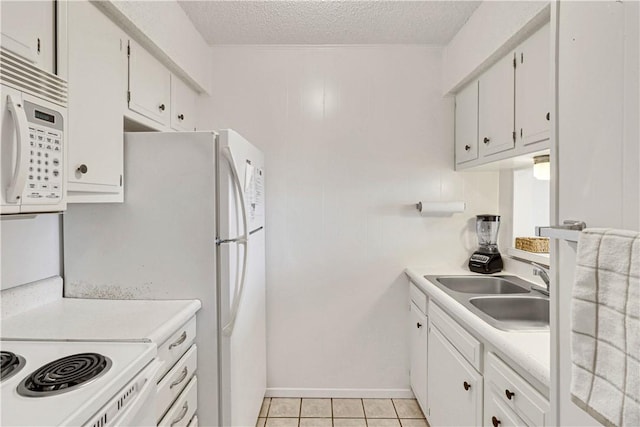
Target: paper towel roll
439,208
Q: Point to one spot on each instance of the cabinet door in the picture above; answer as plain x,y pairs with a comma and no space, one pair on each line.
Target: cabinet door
418,340
497,414
28,30
496,119
467,123
455,388
183,105
533,88
149,85
97,82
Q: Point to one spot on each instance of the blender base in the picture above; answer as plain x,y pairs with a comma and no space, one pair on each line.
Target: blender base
485,263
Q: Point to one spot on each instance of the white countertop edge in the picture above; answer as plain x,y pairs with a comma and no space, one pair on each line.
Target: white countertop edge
160,335
530,350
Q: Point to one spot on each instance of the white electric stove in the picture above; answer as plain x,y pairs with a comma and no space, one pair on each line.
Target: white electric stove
95,384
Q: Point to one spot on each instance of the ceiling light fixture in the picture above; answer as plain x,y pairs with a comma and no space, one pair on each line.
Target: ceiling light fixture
542,167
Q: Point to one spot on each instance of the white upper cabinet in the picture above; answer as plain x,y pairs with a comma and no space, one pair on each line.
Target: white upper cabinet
466,127
97,85
183,105
496,107
149,85
533,88
514,102
28,30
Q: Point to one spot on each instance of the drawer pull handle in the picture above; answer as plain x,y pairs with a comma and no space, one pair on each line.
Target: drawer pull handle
179,341
161,107
509,394
466,385
419,325
495,421
82,169
183,412
486,140
467,147
184,374
180,116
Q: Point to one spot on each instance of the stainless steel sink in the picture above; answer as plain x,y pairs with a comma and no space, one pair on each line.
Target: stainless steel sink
483,285
504,302
524,312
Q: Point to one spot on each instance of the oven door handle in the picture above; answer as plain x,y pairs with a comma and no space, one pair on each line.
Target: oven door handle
140,403
16,186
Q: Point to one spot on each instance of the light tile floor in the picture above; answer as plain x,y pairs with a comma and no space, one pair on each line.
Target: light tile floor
296,412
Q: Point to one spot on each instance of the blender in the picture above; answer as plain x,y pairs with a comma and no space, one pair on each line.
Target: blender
486,259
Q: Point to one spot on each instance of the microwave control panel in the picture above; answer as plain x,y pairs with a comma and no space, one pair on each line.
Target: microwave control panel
44,179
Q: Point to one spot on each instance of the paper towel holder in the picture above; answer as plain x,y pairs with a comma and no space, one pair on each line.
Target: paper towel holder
440,208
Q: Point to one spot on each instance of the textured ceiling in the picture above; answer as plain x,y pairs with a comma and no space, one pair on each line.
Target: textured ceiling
328,22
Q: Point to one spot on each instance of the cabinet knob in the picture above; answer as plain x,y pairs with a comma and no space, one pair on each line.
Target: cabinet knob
161,107
548,116
180,116
82,169
486,140
418,325
495,421
466,385
467,147
509,394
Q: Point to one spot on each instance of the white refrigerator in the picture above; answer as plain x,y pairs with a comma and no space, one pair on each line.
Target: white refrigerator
191,226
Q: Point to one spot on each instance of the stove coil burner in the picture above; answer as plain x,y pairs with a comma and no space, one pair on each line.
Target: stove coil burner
11,364
65,374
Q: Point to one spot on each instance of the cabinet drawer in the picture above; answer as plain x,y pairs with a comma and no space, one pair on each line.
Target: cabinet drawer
183,409
176,380
462,340
497,413
194,421
418,298
172,349
516,393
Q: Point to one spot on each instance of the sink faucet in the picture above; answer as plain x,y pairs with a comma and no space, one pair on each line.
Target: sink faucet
543,273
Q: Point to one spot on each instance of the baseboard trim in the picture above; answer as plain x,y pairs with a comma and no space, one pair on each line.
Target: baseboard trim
366,393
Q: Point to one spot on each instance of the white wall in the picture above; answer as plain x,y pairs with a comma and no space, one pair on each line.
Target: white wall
492,30
354,137
30,249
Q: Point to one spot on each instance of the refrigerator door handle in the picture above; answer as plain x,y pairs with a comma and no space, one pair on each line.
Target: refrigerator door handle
241,240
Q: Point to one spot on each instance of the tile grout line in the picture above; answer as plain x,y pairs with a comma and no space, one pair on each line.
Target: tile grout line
396,411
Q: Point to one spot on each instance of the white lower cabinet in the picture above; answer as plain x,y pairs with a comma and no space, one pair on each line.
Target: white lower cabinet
418,325
454,387
458,381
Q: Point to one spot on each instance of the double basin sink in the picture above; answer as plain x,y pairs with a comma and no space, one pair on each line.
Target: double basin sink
505,302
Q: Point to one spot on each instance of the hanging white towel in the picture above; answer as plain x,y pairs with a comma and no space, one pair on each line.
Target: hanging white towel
605,326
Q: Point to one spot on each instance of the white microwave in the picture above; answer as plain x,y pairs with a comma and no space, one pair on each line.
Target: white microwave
32,145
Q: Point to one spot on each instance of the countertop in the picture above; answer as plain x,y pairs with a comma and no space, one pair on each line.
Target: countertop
71,319
529,350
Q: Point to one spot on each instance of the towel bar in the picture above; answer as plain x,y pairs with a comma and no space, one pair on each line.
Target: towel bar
569,230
